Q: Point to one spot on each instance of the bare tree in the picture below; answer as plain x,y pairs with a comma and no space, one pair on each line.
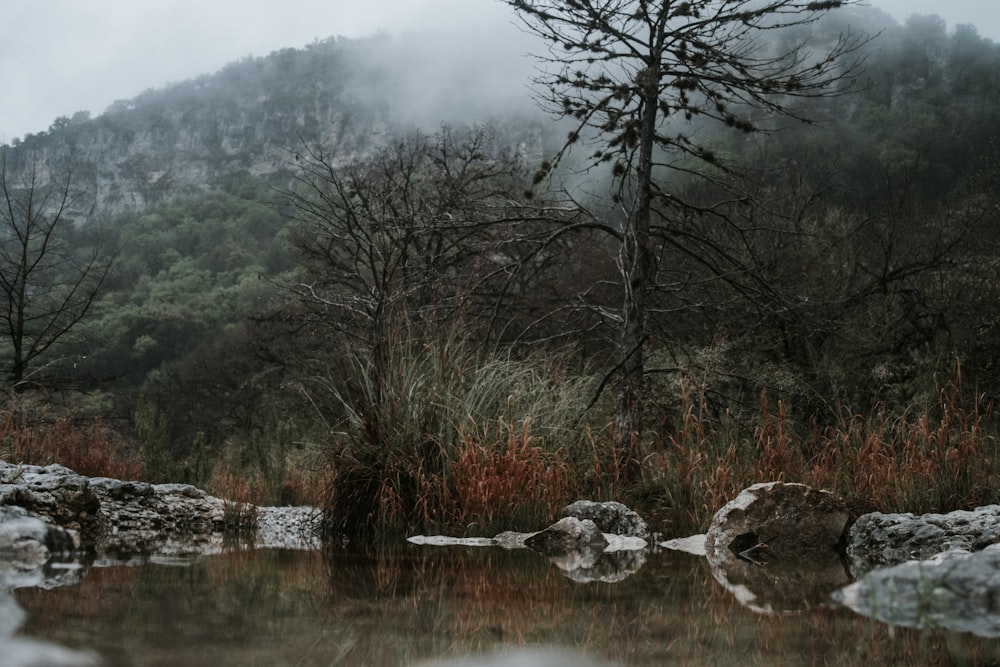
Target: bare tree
632,75
46,284
401,236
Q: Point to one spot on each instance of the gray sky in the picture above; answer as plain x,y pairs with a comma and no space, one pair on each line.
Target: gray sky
62,56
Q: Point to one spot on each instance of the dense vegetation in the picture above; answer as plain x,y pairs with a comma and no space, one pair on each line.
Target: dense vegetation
406,336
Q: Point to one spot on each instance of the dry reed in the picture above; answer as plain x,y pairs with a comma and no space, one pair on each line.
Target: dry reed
938,459
89,447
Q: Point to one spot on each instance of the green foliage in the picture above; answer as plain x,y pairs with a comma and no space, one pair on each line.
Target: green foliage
154,442
185,271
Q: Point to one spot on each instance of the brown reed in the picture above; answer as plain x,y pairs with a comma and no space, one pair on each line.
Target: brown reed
89,447
937,459
502,474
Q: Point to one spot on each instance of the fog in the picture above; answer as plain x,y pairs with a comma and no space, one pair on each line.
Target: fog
63,56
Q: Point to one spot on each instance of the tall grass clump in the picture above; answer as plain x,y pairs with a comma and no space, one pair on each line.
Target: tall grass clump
444,436
941,458
936,458
31,433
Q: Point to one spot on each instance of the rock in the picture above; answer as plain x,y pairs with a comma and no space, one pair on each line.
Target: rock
695,544
954,590
567,535
624,543
877,540
55,493
27,542
445,541
511,540
778,521
776,547
288,528
151,518
611,517
118,518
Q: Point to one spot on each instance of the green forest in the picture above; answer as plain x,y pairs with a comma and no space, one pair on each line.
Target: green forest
421,327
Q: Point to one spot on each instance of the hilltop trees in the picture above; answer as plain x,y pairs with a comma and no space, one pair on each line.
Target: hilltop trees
46,284
632,76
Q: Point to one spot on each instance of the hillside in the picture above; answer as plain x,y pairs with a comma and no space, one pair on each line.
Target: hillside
248,119
253,309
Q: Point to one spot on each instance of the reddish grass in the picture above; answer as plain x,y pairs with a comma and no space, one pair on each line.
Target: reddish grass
936,460
298,486
237,486
503,475
89,448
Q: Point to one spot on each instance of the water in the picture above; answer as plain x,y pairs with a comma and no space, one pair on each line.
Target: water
399,606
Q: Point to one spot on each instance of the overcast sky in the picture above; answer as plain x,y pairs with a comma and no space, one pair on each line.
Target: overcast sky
62,56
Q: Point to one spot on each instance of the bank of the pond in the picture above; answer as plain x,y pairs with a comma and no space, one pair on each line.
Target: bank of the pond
775,547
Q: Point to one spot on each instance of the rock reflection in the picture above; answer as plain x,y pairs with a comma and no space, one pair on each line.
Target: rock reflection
32,554
599,565
398,605
776,547
771,586
956,590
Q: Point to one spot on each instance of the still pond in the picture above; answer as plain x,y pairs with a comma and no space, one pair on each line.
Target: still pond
412,603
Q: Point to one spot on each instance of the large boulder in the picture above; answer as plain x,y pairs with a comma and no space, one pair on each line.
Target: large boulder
954,590
776,547
877,540
611,517
566,536
778,521
142,517
54,493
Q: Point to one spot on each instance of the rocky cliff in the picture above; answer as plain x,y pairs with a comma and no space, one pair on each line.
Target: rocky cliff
250,118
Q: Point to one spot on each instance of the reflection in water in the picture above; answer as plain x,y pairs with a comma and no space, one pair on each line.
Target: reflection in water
399,606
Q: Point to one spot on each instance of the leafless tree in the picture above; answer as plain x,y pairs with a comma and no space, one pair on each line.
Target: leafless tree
47,285
402,236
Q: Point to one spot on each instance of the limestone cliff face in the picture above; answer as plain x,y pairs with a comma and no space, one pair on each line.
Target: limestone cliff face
168,143
250,118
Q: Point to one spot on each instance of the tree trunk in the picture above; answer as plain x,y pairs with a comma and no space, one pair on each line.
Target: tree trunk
633,261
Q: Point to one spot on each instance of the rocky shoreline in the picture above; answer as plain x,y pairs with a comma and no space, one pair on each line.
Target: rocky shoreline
113,516
56,524
777,547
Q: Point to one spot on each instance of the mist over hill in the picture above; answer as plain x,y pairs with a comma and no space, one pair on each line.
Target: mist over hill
348,95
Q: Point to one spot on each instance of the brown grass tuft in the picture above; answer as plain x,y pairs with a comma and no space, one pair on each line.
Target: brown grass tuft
500,475
89,447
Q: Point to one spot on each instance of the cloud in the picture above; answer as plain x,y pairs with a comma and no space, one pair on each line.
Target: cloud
65,55
62,56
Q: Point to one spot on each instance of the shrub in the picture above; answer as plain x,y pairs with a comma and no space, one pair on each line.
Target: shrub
30,435
437,410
